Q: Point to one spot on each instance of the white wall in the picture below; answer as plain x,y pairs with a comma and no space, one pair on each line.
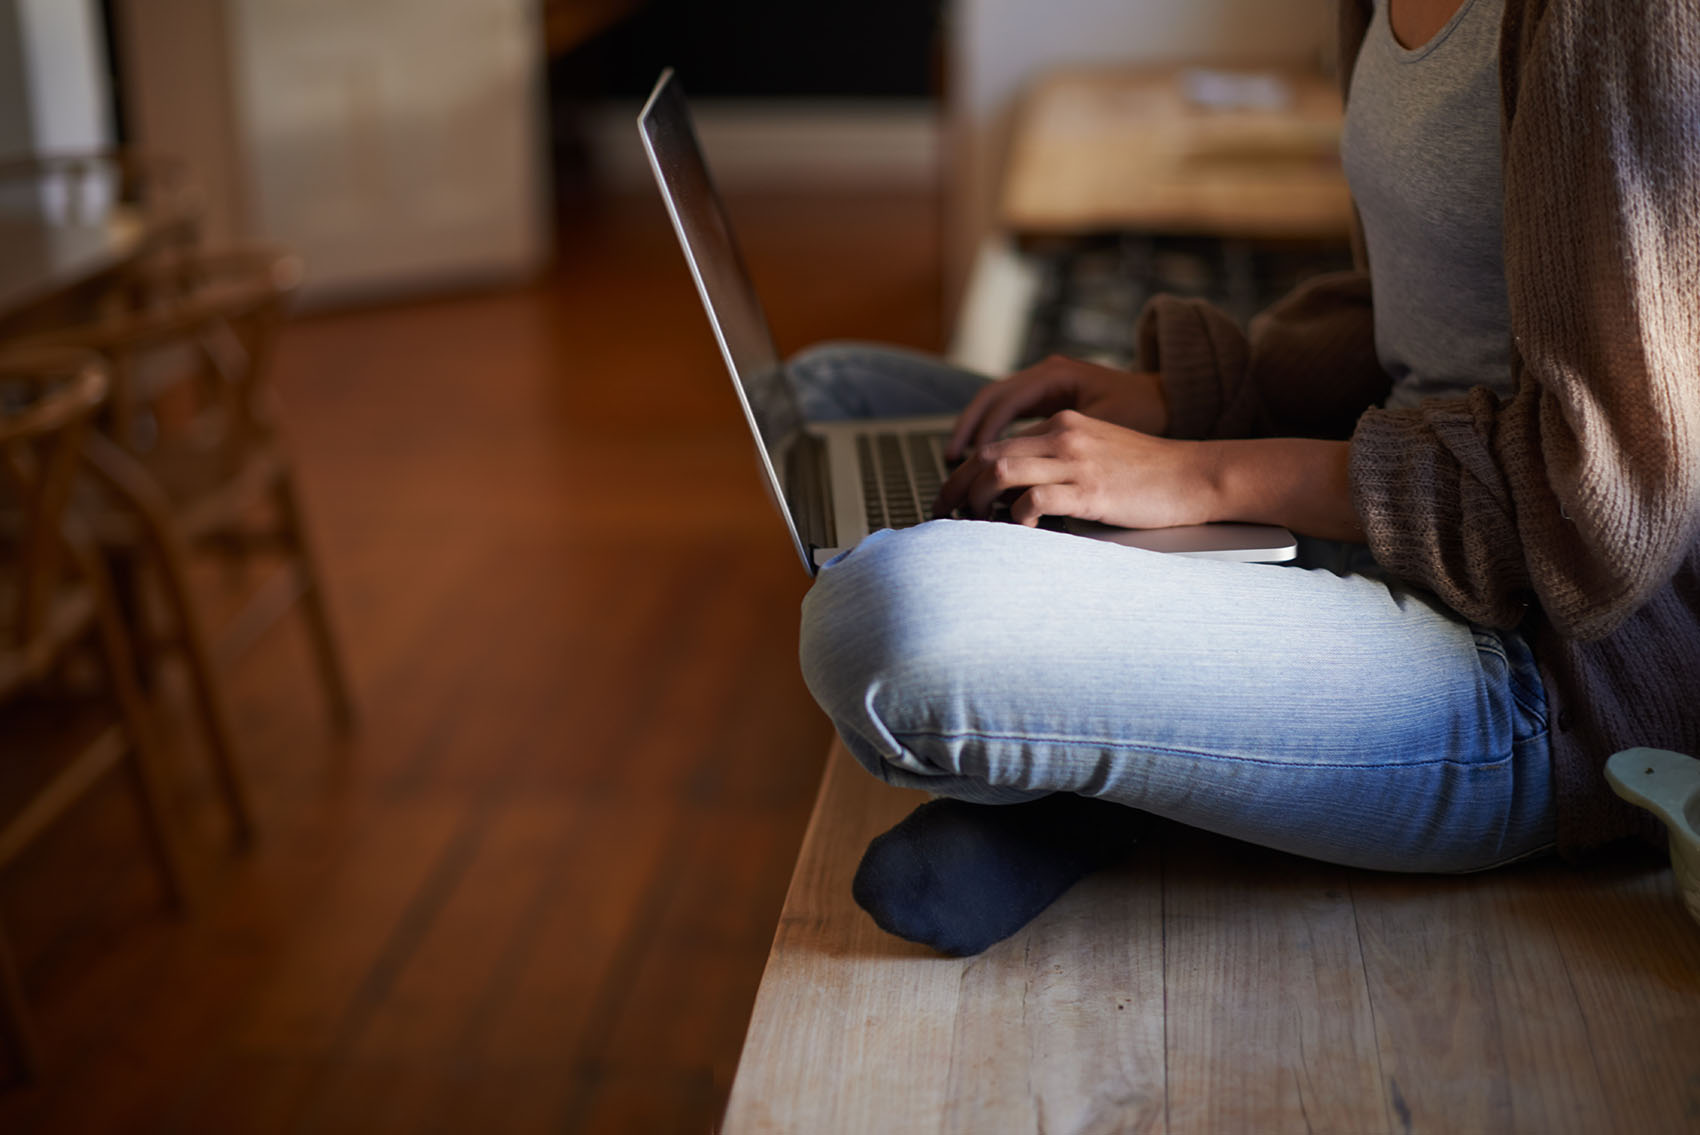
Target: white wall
998,46
68,91
395,143
53,83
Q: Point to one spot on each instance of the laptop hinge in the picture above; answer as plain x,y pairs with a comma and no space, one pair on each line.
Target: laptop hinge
806,491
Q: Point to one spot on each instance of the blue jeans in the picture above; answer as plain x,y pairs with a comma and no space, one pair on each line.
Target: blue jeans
1317,708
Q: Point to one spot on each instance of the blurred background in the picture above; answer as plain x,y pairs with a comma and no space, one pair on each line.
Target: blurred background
493,828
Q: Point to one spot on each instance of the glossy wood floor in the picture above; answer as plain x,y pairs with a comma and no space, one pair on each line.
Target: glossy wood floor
536,891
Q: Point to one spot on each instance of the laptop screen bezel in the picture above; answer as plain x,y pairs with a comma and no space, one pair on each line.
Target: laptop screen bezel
668,97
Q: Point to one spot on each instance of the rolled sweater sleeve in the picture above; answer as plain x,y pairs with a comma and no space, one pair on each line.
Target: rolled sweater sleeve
1308,368
1582,492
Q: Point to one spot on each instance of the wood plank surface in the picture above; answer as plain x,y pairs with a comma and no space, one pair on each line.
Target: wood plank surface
1210,986
1090,969
1632,959
1269,1024
835,1042
854,1030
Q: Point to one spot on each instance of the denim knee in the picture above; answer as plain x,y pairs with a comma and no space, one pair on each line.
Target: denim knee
827,364
852,624
895,647
847,379
833,352
876,633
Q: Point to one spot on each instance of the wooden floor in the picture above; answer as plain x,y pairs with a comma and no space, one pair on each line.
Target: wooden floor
1209,986
536,892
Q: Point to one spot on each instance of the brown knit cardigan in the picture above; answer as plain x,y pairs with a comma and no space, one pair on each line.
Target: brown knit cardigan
1572,511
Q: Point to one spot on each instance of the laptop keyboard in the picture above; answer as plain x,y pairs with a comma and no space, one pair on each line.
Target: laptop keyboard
901,476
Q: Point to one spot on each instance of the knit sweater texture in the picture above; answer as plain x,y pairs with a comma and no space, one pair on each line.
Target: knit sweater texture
1571,510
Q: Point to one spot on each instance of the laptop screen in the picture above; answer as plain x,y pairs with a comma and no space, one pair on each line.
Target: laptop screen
736,313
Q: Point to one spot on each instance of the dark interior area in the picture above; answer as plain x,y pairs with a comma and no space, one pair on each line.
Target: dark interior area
764,48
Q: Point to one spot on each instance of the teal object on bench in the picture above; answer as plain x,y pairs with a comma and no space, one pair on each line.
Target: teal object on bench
1667,784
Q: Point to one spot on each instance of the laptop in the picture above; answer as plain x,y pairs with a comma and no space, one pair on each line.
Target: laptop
835,482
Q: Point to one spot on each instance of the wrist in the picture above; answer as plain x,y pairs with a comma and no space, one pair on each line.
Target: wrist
1300,483
1242,480
1215,468
1156,403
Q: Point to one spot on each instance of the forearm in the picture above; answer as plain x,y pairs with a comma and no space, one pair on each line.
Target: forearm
1297,482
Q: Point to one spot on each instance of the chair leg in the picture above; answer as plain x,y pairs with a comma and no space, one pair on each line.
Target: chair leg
209,693
14,1015
120,473
124,574
142,754
315,608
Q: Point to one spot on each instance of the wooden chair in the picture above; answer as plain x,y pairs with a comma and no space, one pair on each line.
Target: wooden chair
53,596
191,454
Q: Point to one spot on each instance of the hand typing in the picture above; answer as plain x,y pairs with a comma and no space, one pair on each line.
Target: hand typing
1134,400
1074,465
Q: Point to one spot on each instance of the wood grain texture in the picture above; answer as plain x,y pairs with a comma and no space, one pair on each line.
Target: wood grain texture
1535,999
1269,1020
1632,958
1211,986
857,1031
1091,970
836,1016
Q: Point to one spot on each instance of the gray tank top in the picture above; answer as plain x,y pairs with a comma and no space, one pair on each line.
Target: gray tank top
1421,149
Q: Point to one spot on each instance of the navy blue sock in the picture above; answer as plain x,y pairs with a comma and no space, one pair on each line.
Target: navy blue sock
959,877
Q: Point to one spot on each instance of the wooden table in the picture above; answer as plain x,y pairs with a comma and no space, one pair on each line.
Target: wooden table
1137,150
45,267
1211,986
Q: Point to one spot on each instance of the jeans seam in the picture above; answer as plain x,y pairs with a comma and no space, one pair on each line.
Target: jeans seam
1169,751
1533,853
1515,684
1537,713
1528,707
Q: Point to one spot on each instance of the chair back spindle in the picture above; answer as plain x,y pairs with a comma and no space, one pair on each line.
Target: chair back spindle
49,400
188,353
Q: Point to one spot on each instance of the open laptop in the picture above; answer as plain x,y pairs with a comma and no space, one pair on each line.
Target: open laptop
834,482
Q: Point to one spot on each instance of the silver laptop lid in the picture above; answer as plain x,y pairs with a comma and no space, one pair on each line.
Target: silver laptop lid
734,311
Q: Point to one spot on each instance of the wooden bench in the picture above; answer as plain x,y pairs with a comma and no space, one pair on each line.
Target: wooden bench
1212,986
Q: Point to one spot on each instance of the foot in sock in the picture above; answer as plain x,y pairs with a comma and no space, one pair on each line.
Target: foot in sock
958,877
